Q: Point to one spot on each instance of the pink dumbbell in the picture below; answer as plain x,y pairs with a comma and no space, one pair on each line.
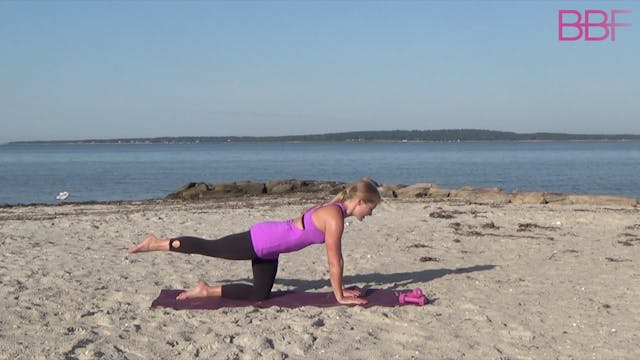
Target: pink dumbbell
417,292
407,299
413,297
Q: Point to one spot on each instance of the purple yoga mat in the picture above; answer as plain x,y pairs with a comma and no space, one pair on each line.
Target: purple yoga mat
286,299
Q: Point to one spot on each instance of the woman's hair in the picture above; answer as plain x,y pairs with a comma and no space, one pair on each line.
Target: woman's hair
365,189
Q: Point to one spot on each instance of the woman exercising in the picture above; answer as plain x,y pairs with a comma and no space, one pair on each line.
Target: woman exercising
265,241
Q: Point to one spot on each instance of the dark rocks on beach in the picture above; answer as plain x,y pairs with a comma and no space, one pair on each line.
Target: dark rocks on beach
204,191
388,190
191,191
294,185
240,188
599,200
491,196
418,190
528,198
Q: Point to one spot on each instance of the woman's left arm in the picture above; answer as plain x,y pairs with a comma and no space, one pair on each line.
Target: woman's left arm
334,226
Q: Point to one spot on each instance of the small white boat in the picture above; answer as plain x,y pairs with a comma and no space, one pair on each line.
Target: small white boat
63,195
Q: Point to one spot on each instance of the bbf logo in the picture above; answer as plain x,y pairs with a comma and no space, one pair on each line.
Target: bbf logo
596,25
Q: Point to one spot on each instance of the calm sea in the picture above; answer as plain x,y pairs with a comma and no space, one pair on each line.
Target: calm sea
37,173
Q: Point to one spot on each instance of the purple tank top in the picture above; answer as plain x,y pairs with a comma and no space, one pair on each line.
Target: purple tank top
272,238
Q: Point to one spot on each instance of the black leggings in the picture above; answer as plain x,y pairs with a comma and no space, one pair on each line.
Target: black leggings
233,247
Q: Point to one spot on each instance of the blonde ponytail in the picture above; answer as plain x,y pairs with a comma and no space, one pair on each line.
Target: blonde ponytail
365,189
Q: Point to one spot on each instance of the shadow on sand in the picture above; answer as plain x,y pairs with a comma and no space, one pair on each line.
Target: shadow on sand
395,281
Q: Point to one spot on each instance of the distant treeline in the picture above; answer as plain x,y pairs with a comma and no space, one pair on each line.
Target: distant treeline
359,136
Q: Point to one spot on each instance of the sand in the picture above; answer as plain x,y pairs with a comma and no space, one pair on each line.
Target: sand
507,282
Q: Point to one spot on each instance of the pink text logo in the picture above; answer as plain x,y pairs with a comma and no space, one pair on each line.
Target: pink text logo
595,25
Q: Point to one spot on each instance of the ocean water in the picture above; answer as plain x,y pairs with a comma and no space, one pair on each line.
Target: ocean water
37,173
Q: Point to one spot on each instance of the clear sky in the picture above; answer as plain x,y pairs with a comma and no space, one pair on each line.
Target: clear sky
99,69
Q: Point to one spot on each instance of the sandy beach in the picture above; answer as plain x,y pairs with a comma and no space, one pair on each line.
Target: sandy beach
507,282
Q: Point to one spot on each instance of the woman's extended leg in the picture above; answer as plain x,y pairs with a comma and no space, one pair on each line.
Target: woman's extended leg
231,247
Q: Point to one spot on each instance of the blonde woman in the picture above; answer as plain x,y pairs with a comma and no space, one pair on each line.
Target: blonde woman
265,241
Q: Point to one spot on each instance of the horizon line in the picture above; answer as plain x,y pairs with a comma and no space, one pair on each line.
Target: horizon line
220,138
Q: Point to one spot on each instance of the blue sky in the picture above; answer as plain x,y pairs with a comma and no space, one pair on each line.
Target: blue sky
98,69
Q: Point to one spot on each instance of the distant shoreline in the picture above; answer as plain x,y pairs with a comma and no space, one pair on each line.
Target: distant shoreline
52,143
402,136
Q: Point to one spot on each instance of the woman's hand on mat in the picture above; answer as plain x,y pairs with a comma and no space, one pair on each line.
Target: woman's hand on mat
352,291
352,296
348,300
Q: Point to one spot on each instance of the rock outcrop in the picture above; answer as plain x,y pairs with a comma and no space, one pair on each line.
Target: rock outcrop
492,196
489,196
203,191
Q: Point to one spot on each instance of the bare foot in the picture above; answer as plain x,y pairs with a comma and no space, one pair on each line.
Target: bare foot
199,291
150,243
